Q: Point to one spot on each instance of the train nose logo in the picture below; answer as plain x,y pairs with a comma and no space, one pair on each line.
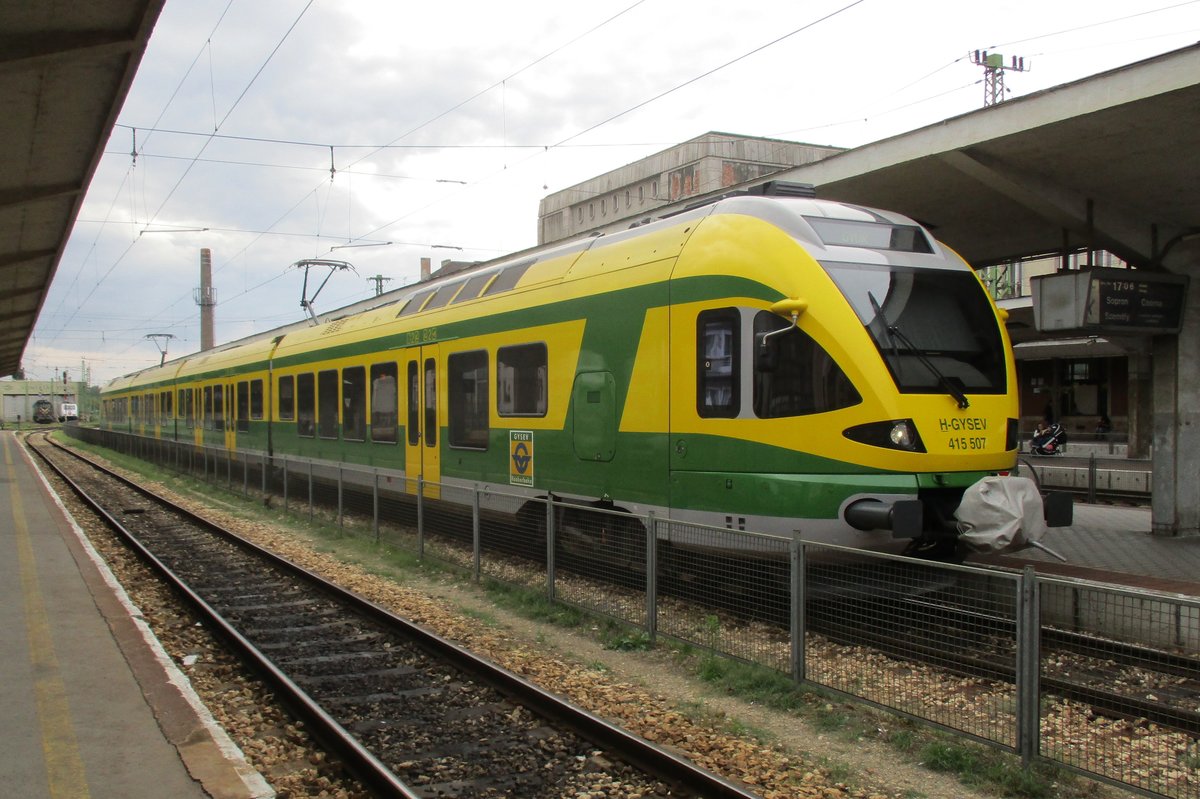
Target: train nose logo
521,458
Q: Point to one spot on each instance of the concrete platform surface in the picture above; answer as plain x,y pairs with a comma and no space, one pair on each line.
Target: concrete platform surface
1112,543
90,704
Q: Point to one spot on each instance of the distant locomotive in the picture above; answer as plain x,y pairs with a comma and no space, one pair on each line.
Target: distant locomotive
43,411
768,363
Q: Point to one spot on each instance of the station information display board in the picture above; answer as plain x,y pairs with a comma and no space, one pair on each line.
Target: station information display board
1113,301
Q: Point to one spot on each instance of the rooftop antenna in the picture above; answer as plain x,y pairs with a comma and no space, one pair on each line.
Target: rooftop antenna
161,340
320,263
993,73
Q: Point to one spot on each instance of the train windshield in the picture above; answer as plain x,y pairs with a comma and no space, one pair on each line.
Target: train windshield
934,327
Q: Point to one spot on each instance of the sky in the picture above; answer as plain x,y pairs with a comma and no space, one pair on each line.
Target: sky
272,131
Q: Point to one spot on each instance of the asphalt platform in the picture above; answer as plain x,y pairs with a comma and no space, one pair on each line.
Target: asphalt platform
92,705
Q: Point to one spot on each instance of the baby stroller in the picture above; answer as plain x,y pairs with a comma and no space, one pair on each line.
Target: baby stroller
1050,441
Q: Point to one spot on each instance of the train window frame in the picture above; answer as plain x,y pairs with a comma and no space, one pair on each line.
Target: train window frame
242,420
728,323
517,367
354,403
806,398
256,399
189,400
287,398
328,404
383,396
207,408
467,377
306,405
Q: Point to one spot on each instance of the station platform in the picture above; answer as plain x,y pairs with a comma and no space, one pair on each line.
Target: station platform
1113,544
92,704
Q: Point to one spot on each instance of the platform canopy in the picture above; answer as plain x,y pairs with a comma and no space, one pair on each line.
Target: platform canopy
65,69
1108,162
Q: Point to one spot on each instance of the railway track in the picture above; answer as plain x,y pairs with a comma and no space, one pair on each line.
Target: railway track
411,714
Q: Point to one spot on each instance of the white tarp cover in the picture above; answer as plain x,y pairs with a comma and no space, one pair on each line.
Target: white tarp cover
1001,513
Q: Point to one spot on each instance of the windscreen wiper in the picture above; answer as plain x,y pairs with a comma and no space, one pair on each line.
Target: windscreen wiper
895,333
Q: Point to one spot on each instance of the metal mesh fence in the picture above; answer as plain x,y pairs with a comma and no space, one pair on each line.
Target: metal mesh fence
932,641
1120,685
1100,679
599,561
727,591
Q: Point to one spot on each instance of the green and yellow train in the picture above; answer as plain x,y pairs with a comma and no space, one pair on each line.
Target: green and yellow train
763,362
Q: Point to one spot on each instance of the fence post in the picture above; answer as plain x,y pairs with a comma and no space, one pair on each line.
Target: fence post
375,505
310,491
476,544
651,562
421,518
246,475
341,523
1028,668
284,466
550,576
263,467
798,620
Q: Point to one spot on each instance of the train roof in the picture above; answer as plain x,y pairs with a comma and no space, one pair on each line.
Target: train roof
460,291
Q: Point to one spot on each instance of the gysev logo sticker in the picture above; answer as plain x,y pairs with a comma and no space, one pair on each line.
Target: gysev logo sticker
520,457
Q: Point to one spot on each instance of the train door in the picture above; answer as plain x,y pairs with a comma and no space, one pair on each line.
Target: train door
422,453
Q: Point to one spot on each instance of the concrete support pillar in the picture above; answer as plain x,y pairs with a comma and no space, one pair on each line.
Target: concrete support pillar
1176,503
1140,404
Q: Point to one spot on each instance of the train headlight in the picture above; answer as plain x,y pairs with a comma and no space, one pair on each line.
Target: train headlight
894,434
902,435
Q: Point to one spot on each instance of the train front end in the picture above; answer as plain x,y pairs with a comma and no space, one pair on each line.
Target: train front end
868,386
937,375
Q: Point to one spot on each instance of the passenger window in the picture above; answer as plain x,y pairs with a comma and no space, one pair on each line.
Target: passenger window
521,380
256,399
243,407
287,398
467,395
354,403
327,403
218,420
306,403
384,403
208,408
718,364
793,374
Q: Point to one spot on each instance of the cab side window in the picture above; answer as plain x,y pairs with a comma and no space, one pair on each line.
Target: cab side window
718,349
